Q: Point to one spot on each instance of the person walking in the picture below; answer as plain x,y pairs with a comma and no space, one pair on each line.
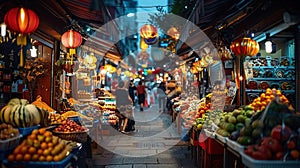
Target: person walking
161,93
123,103
141,93
131,90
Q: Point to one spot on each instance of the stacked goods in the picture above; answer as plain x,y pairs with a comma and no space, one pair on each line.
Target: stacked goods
40,146
232,122
39,103
188,114
274,134
75,114
19,113
56,118
70,130
69,126
113,119
282,144
7,131
203,107
264,121
261,102
101,105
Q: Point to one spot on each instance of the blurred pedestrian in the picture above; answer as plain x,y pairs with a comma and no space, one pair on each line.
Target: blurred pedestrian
123,102
141,93
131,90
161,93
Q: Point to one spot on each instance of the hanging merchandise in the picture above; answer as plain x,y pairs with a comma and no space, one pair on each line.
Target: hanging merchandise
209,56
23,21
69,64
248,70
90,61
244,47
174,33
224,53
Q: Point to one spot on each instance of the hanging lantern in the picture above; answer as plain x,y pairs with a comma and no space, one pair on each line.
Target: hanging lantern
109,68
174,33
71,39
150,41
148,31
23,21
244,47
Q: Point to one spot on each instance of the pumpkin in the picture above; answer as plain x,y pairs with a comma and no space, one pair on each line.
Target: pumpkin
19,113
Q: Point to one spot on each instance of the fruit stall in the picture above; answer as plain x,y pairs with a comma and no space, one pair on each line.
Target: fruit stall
35,135
264,133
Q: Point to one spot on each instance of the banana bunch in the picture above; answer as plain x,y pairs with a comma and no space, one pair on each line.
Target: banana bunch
74,113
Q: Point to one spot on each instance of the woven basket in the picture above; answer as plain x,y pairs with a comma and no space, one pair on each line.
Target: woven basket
80,137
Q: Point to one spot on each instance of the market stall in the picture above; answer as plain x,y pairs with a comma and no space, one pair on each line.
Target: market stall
249,136
31,136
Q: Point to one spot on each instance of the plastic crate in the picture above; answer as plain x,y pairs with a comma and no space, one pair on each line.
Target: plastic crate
9,144
234,145
28,130
61,164
252,163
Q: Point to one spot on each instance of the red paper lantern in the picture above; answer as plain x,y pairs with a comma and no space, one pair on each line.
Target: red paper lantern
71,39
244,47
148,31
21,20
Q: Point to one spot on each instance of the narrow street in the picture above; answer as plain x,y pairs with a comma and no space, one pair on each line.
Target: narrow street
155,143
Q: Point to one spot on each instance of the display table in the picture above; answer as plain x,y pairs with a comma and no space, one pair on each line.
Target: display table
195,145
212,151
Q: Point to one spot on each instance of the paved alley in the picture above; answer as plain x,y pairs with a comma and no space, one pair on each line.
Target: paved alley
155,144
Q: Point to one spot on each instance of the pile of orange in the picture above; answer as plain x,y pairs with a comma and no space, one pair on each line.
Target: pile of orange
264,99
40,146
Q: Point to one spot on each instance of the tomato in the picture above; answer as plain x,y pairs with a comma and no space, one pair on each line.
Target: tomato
257,155
291,144
282,134
273,144
267,154
249,150
279,156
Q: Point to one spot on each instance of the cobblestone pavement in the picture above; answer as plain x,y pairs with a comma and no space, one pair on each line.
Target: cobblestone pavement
155,144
